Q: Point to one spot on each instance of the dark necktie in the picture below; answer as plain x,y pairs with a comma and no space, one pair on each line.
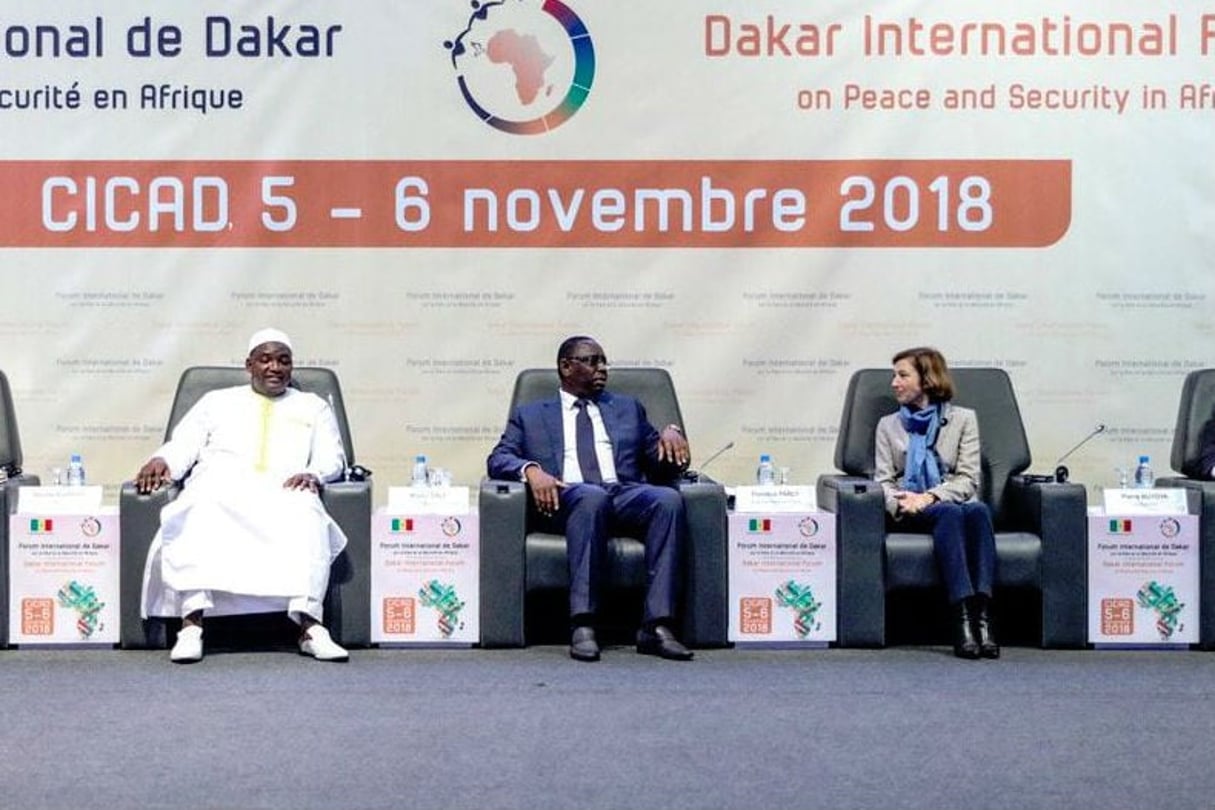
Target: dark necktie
584,440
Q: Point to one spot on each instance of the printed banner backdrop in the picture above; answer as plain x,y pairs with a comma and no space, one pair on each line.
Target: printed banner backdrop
760,197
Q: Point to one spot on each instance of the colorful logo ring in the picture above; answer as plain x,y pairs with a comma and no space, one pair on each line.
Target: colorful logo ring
575,97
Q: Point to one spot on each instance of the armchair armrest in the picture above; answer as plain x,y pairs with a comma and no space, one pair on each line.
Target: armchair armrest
349,504
860,531
8,491
706,595
503,516
829,487
1058,514
1196,492
348,602
138,521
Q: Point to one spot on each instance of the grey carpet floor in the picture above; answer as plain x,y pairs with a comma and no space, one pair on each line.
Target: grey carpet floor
895,728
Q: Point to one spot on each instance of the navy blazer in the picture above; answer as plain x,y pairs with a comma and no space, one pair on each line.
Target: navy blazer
534,433
1206,444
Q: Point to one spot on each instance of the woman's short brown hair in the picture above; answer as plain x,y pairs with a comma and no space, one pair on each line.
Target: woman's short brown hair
935,379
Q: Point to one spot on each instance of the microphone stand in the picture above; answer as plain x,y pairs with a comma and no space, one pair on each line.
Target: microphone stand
694,475
1061,471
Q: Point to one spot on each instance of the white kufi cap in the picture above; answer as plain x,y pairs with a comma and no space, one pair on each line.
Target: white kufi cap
268,336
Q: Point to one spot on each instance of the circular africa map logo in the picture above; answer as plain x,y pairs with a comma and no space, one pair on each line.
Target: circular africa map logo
523,66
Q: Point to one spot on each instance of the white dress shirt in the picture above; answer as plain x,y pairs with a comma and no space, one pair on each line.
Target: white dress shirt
571,472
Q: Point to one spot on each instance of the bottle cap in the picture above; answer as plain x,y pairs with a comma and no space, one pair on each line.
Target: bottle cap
764,457
75,457
1143,459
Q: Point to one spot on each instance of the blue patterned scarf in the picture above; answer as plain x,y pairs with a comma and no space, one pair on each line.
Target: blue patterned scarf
923,467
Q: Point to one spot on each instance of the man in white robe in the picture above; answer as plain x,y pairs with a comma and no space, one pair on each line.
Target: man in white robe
248,534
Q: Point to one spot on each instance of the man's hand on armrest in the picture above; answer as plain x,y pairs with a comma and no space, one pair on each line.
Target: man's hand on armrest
546,490
304,480
673,447
152,476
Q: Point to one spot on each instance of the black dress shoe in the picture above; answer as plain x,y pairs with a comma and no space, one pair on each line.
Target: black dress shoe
583,646
662,642
964,643
988,648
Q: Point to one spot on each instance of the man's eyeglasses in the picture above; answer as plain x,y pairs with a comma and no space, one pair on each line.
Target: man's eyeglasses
590,360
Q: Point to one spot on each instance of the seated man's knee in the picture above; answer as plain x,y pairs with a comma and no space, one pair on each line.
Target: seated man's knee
669,501
586,497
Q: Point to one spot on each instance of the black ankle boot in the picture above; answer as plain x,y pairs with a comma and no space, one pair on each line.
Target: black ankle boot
988,648
964,643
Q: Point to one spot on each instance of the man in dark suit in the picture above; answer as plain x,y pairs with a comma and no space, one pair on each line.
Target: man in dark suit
1206,462
588,457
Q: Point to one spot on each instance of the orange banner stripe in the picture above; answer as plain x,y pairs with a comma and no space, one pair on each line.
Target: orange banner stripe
664,203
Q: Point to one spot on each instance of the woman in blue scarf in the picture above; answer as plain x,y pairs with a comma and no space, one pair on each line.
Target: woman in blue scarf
928,465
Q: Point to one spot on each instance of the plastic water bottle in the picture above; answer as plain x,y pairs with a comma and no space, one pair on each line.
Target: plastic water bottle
419,476
1144,477
765,474
75,471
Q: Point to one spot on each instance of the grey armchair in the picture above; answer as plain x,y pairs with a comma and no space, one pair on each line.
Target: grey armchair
517,561
1041,528
10,462
1194,433
348,602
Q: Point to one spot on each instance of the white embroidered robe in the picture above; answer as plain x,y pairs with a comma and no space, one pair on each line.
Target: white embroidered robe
235,531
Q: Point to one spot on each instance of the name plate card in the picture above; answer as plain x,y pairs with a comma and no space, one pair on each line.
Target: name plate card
1145,502
776,498
428,500
59,500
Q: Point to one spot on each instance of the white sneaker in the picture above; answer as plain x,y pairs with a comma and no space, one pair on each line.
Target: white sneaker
188,648
320,646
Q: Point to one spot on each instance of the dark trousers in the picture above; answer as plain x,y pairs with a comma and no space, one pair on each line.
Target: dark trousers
591,513
964,546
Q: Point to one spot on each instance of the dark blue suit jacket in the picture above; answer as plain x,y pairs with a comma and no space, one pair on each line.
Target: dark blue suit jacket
1207,444
534,433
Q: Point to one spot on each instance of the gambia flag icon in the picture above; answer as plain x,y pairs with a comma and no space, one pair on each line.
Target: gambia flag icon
42,525
400,525
1120,526
759,525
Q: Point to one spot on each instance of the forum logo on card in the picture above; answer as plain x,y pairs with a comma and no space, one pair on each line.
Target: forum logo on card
400,616
755,615
37,616
1117,617
523,66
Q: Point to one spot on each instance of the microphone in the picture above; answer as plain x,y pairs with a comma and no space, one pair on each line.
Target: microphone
1061,471
694,475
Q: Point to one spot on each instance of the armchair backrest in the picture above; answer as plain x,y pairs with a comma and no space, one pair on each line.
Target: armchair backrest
198,380
653,386
10,440
1195,415
987,391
